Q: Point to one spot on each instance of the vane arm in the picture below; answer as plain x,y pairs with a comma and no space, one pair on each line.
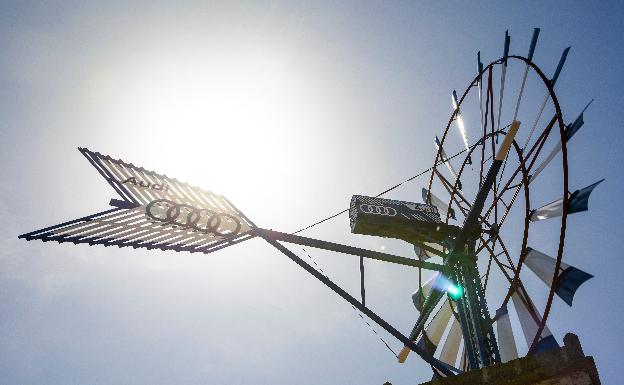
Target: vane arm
442,367
472,219
319,244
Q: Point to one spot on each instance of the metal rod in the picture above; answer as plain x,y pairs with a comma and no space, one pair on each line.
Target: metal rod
362,287
319,244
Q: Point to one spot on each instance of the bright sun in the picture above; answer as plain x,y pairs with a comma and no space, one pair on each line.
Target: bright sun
210,114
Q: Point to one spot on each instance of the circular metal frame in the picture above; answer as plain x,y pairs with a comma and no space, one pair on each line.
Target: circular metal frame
526,158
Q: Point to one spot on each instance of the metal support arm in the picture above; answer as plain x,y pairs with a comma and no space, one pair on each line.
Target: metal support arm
316,243
442,367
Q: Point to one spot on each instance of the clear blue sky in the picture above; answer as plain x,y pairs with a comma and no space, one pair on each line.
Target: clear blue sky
287,108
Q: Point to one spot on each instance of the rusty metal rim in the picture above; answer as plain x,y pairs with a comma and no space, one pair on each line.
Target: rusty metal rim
559,118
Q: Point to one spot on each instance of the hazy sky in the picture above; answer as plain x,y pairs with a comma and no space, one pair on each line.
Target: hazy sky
288,109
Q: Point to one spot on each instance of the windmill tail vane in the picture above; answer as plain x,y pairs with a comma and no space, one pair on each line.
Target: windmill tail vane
154,211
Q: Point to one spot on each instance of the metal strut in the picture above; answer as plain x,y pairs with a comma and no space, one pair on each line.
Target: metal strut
474,317
439,365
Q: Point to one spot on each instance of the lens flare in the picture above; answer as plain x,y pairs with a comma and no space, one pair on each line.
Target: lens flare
455,292
444,284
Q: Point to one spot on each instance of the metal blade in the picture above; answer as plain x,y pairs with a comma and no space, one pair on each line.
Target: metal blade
451,345
506,340
578,202
569,278
530,325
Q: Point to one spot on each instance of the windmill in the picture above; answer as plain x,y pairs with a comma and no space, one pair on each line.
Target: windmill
485,228
506,177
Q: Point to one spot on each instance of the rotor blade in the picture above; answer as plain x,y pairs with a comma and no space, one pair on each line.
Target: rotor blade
537,119
553,80
430,198
432,335
530,326
572,129
503,76
460,121
550,210
546,162
506,340
569,132
506,49
526,70
569,278
451,345
579,199
463,364
578,202
433,332
446,161
536,32
562,60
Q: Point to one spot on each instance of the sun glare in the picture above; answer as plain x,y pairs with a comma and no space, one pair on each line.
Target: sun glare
212,114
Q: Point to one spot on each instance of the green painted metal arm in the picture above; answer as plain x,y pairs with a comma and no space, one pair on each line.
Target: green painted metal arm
316,243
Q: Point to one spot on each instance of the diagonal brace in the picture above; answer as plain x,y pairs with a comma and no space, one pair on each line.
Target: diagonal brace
442,367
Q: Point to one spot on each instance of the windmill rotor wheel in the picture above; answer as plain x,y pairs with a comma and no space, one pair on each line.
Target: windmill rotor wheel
508,231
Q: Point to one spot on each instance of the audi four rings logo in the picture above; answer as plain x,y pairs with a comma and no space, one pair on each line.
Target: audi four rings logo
187,216
379,210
